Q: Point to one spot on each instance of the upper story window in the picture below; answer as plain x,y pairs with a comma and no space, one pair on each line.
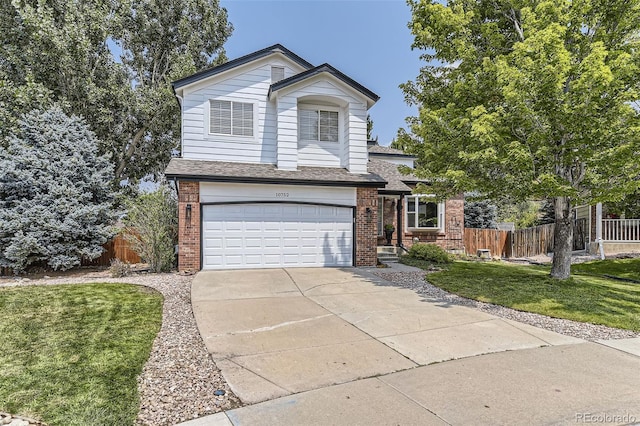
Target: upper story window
277,74
231,118
318,125
423,212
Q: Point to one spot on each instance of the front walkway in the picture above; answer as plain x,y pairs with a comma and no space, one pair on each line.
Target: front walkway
341,346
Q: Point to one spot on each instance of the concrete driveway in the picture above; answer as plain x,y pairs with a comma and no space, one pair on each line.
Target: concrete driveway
341,346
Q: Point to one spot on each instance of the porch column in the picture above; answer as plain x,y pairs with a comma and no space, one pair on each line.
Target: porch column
599,230
399,231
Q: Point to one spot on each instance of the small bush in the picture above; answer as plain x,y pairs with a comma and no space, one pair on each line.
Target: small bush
119,269
152,220
430,253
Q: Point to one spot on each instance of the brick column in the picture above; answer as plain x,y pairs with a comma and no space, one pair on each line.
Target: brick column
366,226
188,227
454,223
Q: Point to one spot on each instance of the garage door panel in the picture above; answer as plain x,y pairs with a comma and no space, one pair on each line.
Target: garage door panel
274,235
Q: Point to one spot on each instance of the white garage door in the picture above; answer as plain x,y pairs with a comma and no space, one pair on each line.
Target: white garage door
276,235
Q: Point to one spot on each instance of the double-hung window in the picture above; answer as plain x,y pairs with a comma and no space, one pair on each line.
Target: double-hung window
318,125
423,212
231,118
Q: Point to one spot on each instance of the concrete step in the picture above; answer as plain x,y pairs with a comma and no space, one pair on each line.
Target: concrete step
388,257
387,249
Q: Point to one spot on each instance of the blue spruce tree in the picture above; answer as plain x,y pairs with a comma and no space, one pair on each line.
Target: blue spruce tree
55,197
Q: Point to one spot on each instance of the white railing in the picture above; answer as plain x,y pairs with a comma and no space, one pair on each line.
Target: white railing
621,230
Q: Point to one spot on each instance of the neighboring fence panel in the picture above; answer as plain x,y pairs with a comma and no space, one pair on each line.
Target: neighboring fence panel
621,230
493,239
118,248
532,241
525,242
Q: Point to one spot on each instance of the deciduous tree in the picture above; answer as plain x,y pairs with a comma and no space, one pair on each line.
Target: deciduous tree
531,99
112,62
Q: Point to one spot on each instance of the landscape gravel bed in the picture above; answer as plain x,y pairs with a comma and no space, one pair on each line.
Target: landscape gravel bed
180,380
416,281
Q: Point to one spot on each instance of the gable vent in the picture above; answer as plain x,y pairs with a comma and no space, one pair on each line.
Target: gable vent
277,74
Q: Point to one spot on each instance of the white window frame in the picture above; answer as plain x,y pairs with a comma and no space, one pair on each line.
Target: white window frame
308,107
414,199
254,120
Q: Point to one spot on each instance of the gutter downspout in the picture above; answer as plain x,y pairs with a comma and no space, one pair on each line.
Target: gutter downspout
599,230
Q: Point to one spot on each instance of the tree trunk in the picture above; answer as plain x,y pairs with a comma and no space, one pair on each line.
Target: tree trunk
562,239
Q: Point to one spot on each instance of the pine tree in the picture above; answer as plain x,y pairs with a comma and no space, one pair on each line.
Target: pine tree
55,202
480,214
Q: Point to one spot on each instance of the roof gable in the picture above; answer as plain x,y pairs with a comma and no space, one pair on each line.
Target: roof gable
209,72
329,70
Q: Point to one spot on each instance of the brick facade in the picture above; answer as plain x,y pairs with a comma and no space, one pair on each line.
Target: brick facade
366,226
450,239
188,227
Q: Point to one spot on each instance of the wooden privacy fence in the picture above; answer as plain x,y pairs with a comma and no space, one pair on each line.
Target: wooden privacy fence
529,242
525,242
493,239
117,248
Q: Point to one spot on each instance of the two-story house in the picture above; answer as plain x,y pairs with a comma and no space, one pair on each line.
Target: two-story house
274,168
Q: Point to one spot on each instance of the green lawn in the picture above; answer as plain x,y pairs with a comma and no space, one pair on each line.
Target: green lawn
622,268
70,354
586,296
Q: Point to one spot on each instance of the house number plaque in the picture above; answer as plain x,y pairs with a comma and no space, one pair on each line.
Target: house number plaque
282,194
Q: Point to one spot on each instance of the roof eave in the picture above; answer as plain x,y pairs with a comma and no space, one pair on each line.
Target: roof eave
249,179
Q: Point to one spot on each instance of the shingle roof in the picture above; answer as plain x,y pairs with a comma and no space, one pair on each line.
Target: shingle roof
318,70
396,181
386,150
276,48
218,171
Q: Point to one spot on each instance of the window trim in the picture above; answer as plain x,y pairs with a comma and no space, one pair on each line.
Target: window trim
440,212
226,135
312,107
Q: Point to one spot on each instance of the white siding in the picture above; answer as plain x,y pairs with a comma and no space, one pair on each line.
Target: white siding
287,132
275,139
249,85
358,155
351,152
229,192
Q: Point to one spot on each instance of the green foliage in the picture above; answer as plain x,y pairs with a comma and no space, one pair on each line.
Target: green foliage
524,214
111,62
629,206
584,298
429,252
152,219
547,213
119,269
370,129
76,351
527,99
55,202
480,214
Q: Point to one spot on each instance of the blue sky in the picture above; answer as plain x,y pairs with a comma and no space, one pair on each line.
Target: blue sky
367,40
